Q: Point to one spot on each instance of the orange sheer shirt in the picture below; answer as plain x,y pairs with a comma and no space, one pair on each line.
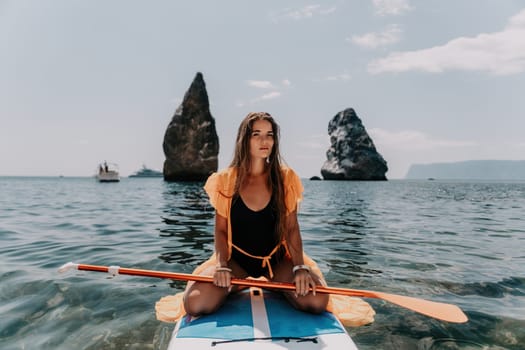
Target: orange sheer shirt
220,188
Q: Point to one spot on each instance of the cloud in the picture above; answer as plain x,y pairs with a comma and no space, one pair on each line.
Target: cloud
305,12
339,77
391,7
389,36
499,53
265,85
344,76
268,96
408,140
261,84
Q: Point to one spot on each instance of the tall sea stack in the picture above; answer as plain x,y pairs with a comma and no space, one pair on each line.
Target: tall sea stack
352,154
191,144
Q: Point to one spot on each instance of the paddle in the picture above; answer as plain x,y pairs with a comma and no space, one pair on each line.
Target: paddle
440,311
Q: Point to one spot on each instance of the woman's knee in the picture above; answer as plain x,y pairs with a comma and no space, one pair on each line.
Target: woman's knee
198,302
199,309
314,304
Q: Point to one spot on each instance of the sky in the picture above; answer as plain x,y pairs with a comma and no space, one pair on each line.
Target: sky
86,81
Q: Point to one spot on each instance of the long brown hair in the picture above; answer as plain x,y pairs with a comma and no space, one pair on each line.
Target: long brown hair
241,161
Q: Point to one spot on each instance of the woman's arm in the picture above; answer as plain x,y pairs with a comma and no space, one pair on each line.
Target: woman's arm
222,275
302,277
293,238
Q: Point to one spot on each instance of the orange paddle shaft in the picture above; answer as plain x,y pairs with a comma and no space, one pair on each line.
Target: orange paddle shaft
441,311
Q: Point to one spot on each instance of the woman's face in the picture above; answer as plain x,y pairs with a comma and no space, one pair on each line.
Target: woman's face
261,139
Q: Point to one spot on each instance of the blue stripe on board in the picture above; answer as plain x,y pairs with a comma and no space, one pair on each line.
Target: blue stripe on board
232,321
285,321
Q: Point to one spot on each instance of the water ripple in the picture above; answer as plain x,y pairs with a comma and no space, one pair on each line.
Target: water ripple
455,242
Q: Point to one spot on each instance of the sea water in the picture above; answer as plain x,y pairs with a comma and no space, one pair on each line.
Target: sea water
448,241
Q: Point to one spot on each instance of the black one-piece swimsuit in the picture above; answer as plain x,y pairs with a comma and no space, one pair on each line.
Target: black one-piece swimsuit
254,232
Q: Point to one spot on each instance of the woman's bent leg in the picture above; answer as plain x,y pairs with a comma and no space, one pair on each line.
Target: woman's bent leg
202,297
310,303
205,298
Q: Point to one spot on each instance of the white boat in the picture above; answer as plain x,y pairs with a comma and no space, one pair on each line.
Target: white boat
259,319
108,172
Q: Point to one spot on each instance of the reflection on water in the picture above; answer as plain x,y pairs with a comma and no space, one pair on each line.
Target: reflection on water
187,215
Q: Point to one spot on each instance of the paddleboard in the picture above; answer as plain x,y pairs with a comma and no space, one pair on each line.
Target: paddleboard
258,319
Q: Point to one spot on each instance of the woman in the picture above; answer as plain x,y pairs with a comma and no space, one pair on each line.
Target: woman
256,228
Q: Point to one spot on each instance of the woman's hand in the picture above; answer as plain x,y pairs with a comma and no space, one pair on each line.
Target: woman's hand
222,277
303,282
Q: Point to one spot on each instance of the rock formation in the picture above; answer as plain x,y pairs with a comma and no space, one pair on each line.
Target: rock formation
191,144
352,155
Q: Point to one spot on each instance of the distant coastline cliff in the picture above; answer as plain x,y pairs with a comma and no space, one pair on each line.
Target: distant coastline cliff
471,170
